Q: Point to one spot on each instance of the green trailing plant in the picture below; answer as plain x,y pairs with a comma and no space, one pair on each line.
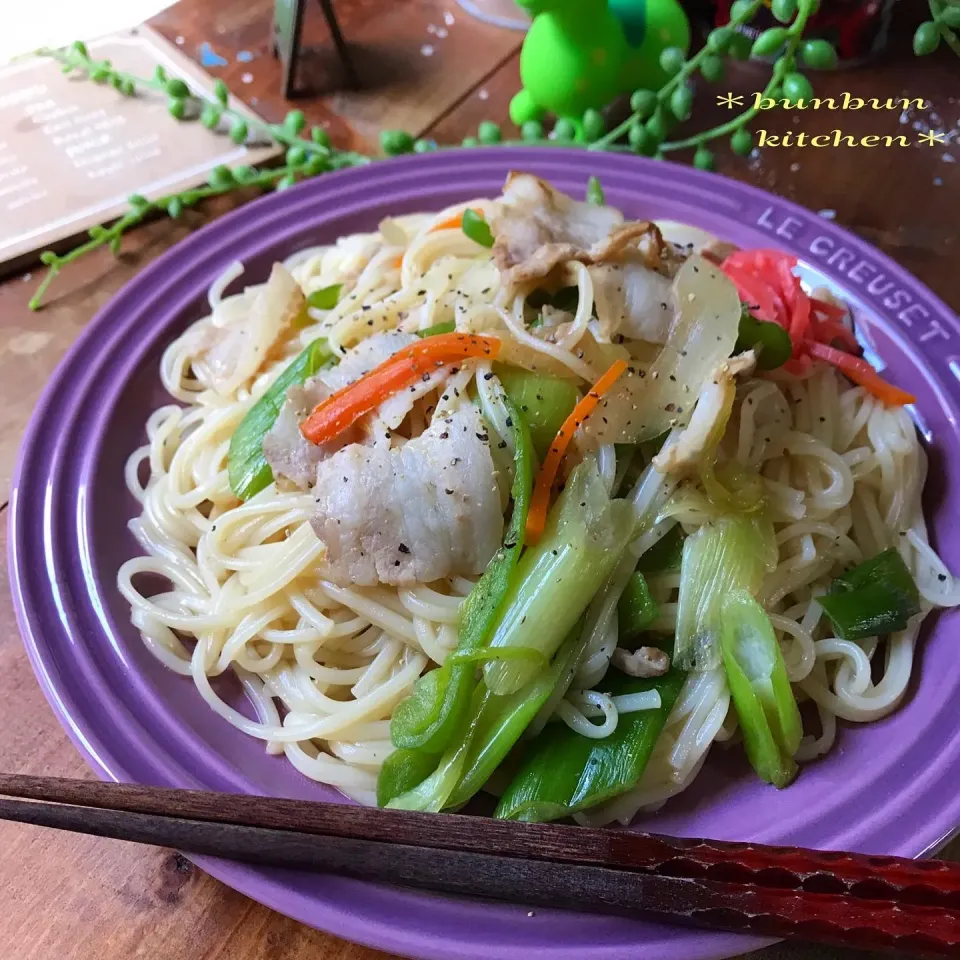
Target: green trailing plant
944,24
654,113
646,131
308,153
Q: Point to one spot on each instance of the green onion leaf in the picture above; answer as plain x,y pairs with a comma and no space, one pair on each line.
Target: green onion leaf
545,402
448,326
665,555
760,689
500,721
429,718
595,192
247,467
731,554
771,342
563,772
875,598
637,610
555,580
326,298
476,228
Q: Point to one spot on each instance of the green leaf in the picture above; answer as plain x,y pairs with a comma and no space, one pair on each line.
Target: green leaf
470,142
285,183
476,228
741,143
703,159
641,140
79,48
643,103
49,258
950,16
137,201
741,9
316,164
424,146
672,60
564,129
594,126
712,68
681,102
926,39
220,177
294,121
115,243
221,92
784,10
489,133
127,87
797,87
395,142
657,126
210,116
739,47
245,174
595,192
532,130
176,88
99,75
296,156
238,132
818,55
159,74
320,136
175,207
325,298
769,42
176,108
719,39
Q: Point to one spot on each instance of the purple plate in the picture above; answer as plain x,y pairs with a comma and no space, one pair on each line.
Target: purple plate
887,787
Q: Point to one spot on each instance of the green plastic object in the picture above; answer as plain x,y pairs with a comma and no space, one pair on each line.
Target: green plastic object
581,54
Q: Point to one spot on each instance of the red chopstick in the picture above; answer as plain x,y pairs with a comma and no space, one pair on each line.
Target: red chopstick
877,903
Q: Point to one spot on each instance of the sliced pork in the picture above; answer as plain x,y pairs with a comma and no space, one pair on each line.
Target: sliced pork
537,228
294,458
411,514
229,353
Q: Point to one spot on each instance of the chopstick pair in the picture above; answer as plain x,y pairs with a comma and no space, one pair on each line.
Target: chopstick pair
877,903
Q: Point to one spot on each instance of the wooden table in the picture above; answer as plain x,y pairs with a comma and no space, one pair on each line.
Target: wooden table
431,69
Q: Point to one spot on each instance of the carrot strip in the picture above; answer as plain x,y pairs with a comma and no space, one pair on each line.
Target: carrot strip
859,371
421,359
454,223
540,501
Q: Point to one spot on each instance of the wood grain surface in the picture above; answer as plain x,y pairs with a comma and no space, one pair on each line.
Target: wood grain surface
75,898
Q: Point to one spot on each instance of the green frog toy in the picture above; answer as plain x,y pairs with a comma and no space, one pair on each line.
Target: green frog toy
581,54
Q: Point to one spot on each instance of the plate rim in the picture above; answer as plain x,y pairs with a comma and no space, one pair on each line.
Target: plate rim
362,929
